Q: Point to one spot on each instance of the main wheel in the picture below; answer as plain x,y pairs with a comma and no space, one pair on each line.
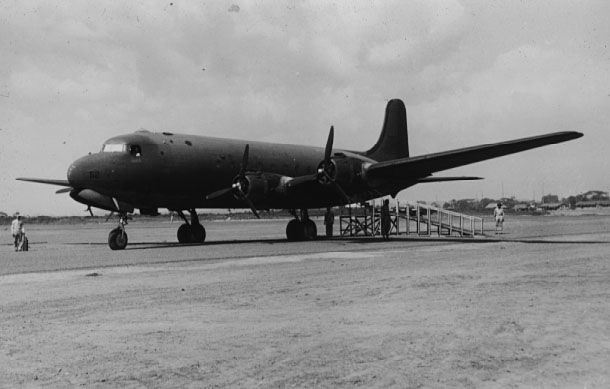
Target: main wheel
295,230
117,239
197,233
184,233
310,231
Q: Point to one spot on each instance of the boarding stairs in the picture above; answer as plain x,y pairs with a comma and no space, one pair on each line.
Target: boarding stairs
410,219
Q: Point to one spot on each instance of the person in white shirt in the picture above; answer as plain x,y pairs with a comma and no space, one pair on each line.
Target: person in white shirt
18,230
499,216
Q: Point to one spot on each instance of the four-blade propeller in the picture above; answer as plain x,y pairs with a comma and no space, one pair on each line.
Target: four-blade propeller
327,170
240,185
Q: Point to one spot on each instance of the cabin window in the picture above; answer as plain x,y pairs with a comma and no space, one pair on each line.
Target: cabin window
114,148
135,150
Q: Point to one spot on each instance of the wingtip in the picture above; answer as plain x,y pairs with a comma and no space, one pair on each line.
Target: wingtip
573,134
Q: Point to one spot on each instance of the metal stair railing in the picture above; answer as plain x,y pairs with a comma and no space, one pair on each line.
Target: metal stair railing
443,220
365,221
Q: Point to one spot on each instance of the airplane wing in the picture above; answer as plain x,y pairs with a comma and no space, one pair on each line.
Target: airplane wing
45,181
421,166
445,179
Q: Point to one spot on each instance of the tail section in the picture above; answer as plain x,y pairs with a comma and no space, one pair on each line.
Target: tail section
393,142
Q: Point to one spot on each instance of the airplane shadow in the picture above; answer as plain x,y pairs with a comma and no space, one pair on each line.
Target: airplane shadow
361,240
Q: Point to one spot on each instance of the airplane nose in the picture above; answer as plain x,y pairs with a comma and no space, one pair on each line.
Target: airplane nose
76,176
71,175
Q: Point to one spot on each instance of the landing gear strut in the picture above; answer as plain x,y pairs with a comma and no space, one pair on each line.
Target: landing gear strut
193,232
302,228
117,238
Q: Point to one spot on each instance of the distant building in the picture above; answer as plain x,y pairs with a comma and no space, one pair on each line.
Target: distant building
553,206
523,207
592,203
493,205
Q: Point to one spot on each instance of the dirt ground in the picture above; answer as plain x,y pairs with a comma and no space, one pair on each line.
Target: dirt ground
530,309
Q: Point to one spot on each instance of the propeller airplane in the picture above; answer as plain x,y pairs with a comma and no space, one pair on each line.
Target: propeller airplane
148,171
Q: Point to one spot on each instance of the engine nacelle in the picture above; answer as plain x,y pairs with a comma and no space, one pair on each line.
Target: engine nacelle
259,186
256,188
341,169
92,198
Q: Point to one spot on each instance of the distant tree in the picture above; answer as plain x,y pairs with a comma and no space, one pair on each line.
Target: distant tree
550,199
485,202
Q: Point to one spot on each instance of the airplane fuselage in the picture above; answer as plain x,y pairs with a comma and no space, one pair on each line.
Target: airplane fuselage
164,170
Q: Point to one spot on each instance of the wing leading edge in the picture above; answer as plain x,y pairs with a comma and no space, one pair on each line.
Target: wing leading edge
45,181
424,165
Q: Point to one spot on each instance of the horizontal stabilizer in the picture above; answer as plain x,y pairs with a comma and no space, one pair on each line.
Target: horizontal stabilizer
422,166
443,179
45,181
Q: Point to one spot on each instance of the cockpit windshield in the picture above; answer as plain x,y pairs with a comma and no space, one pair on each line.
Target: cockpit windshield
114,148
133,149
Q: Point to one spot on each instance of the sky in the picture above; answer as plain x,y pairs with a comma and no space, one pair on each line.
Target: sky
74,73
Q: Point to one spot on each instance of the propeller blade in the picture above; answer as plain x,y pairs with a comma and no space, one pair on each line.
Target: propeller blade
236,188
219,193
64,190
242,174
251,205
342,193
89,210
338,188
242,196
244,161
109,215
329,145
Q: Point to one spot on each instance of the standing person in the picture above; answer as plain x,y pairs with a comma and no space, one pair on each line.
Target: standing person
499,216
18,230
386,221
329,220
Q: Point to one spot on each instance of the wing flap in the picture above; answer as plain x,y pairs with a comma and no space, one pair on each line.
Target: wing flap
424,165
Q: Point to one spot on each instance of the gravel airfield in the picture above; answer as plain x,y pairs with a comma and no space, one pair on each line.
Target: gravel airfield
528,308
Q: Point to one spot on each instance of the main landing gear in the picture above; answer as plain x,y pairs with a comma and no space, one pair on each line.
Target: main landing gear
117,238
302,228
193,232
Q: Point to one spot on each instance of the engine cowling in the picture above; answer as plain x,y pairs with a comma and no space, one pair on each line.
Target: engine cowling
257,187
340,169
92,198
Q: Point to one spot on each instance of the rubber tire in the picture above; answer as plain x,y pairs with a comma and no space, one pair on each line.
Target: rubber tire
295,231
197,233
184,234
117,239
310,231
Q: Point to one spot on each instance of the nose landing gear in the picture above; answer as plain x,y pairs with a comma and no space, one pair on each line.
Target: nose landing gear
117,238
303,228
193,232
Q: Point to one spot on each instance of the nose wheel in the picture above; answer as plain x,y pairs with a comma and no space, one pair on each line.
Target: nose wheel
117,238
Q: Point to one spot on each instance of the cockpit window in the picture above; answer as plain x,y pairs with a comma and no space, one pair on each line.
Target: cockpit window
135,150
114,148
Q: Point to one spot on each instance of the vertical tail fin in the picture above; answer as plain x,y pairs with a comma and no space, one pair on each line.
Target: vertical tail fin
393,142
